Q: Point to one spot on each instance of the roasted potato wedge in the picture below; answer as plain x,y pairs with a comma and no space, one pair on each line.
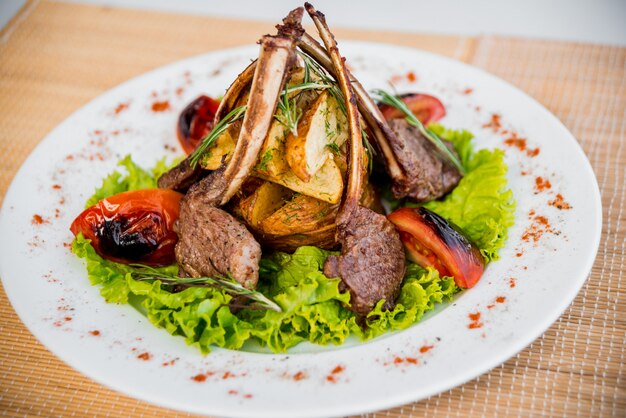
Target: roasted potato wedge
272,161
265,201
320,132
326,184
300,214
323,237
220,152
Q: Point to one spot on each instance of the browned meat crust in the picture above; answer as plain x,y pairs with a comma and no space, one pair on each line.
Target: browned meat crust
213,243
430,177
372,263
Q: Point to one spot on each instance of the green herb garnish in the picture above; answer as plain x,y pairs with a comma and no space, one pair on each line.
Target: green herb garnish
228,285
395,101
215,133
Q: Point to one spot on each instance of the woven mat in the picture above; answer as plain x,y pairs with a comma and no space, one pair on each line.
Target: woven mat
55,57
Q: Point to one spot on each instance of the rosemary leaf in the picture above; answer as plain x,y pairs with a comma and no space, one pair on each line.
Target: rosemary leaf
215,133
396,102
261,301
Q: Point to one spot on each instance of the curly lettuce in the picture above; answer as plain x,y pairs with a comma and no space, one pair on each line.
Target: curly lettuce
481,205
314,307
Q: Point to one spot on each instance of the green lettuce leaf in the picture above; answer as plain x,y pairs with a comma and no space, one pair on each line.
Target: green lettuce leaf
314,308
481,205
135,178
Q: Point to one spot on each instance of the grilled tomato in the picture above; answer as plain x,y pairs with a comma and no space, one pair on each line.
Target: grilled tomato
196,121
426,108
431,241
133,227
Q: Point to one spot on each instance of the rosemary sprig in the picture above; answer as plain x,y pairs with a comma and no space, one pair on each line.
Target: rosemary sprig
144,272
215,133
288,115
396,102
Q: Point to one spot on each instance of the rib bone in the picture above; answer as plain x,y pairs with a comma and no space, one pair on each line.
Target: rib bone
367,106
371,264
211,240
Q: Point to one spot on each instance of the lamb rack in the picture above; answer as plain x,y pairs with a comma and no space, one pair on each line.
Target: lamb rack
372,262
415,168
211,241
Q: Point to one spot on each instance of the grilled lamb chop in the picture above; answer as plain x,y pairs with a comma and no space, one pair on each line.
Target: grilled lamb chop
433,177
211,241
401,160
372,262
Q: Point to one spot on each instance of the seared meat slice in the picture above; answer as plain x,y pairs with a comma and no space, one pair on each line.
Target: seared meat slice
181,177
213,243
371,264
430,176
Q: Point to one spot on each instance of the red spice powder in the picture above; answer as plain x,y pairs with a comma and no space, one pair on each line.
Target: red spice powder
512,282
520,143
411,76
199,377
401,360
299,376
247,396
144,356
233,392
228,375
121,107
537,228
160,106
426,348
560,203
95,332
38,220
500,299
56,186
542,184
475,318
468,91
494,123
332,377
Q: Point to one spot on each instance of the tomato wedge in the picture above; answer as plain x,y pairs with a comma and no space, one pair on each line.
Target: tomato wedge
133,227
196,121
431,241
425,107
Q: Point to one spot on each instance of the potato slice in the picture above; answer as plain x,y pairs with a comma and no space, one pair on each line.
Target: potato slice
265,201
326,184
272,161
324,237
321,130
222,149
301,214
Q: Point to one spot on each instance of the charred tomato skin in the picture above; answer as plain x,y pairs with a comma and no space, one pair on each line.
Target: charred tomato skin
133,227
431,241
425,107
196,121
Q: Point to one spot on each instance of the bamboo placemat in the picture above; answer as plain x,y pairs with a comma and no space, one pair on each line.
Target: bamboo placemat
55,57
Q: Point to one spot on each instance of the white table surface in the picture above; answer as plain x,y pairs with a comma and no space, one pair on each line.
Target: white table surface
595,21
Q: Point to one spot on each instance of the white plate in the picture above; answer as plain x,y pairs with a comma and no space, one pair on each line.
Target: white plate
48,286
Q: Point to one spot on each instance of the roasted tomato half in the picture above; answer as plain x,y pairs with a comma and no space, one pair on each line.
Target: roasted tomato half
133,227
431,241
196,121
426,108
